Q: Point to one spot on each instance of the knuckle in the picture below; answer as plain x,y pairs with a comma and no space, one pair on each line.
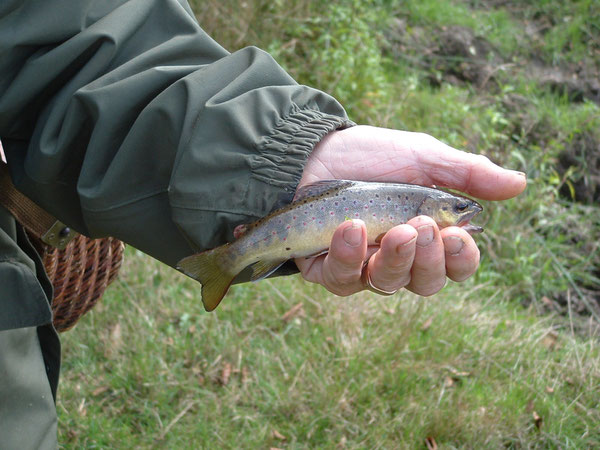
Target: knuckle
390,278
391,282
431,288
482,159
342,290
341,277
425,138
346,277
461,276
404,281
398,267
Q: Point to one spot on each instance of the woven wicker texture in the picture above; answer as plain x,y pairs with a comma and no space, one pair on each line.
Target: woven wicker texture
80,273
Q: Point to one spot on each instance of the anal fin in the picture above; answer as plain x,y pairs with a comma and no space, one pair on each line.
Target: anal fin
262,269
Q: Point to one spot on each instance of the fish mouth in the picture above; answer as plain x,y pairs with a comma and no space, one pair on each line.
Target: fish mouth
472,229
465,222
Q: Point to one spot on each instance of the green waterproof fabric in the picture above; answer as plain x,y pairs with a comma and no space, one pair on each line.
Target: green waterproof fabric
24,288
124,118
27,413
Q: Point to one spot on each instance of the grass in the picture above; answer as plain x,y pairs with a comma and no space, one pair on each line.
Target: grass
148,368
509,358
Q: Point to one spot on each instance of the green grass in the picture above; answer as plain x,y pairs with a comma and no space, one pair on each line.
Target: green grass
145,369
470,367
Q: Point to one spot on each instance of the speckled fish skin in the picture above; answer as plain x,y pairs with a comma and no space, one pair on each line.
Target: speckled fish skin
305,227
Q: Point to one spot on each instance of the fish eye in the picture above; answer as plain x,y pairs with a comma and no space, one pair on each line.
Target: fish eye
461,206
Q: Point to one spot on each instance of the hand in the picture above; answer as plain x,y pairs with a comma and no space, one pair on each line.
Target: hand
417,255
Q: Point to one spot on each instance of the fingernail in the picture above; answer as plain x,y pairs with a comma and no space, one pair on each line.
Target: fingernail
425,236
521,174
400,248
353,234
453,245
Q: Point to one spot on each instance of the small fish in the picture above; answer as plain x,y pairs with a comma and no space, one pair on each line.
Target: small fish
304,228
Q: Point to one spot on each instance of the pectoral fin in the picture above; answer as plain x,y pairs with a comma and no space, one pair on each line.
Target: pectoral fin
262,269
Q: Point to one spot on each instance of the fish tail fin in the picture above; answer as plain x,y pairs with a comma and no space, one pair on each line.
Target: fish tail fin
206,267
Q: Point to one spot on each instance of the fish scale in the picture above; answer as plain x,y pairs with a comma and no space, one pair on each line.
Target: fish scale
305,227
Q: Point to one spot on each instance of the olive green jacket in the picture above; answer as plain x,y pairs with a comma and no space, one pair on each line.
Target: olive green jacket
124,118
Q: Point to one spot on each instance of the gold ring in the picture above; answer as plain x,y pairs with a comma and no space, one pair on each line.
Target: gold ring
366,278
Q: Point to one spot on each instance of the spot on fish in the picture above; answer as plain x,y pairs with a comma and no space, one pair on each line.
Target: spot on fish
288,249
331,213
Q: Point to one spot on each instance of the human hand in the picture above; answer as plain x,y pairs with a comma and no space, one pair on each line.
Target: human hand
416,255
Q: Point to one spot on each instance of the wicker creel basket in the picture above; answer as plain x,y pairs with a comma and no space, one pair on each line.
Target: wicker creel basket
80,273
80,269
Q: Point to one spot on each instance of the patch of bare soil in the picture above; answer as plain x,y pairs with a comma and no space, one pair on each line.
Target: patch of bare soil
452,54
582,157
577,81
457,55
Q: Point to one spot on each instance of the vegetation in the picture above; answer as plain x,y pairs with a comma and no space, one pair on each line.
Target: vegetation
509,358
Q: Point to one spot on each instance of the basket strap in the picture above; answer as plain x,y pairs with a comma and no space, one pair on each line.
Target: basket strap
35,220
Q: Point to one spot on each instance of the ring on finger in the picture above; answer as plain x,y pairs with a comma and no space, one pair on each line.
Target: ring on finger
366,279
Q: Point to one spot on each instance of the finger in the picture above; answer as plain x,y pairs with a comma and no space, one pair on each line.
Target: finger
341,269
461,253
343,264
389,268
470,173
428,274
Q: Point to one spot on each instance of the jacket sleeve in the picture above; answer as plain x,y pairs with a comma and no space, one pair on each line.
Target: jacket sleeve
124,118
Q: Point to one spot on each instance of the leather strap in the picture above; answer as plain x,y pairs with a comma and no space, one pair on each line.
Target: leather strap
35,220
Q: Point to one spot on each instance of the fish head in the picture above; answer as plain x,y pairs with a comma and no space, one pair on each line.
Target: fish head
450,210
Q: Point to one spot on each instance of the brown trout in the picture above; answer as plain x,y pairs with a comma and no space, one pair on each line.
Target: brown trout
304,228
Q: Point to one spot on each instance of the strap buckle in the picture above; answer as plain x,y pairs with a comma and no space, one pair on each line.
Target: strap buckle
59,235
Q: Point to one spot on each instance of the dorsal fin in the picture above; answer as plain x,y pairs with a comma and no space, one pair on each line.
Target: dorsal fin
319,187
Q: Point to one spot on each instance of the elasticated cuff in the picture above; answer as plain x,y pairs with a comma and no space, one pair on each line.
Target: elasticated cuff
285,150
